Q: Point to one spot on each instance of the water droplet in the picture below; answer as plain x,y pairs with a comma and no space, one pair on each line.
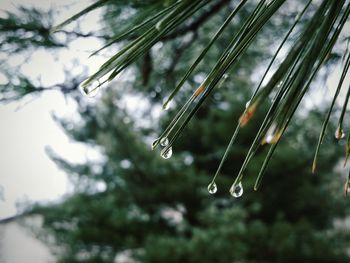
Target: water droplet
247,104
347,187
236,190
166,153
155,143
212,188
164,142
159,25
90,90
166,105
339,134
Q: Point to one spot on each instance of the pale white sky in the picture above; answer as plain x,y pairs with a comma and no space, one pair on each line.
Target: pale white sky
26,172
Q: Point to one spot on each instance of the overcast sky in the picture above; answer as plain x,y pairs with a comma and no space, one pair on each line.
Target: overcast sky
27,128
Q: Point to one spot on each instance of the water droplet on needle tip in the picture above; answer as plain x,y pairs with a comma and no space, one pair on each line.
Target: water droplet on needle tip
164,142
339,133
212,188
90,90
166,153
236,190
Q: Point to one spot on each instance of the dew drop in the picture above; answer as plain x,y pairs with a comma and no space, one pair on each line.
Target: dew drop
247,104
347,187
166,106
90,90
159,25
236,190
166,153
155,143
212,188
339,134
164,142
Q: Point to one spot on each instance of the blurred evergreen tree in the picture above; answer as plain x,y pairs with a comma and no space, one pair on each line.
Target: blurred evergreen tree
135,205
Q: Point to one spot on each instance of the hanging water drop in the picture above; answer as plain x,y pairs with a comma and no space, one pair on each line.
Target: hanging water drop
90,90
236,190
339,134
166,105
347,187
166,153
155,143
164,142
212,188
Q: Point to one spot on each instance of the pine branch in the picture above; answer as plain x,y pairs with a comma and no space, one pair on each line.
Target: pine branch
288,84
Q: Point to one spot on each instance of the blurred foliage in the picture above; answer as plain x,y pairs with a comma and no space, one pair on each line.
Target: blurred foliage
21,33
133,205
29,28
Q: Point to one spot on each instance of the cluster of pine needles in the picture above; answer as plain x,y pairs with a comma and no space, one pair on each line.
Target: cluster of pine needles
287,85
